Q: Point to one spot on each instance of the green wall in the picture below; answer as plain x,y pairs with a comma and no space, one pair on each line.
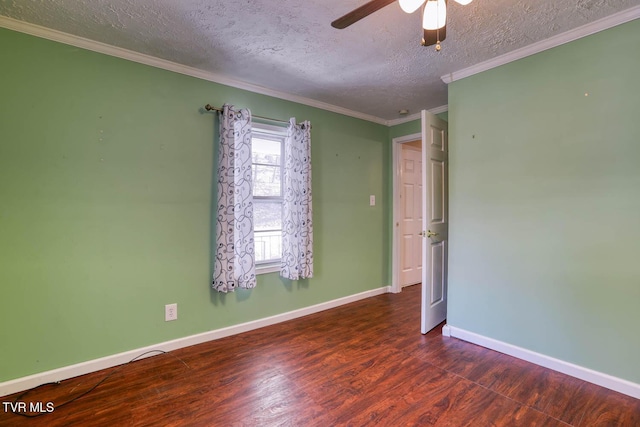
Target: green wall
404,129
545,202
409,128
106,210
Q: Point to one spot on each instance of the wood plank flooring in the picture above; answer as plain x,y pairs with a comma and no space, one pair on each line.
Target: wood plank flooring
361,364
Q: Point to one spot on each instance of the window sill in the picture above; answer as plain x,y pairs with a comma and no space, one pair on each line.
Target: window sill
268,268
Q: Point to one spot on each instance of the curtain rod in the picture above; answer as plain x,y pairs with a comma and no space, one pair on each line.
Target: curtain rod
208,107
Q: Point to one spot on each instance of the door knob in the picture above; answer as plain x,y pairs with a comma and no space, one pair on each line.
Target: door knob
431,233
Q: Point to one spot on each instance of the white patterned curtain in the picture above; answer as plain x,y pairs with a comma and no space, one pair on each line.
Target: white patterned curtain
297,226
235,253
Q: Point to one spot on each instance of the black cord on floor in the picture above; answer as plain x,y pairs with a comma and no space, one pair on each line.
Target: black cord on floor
28,415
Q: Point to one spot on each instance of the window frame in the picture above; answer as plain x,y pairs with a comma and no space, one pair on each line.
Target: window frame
274,133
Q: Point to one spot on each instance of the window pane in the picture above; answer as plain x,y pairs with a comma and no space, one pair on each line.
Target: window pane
267,234
266,180
267,215
265,151
268,245
267,174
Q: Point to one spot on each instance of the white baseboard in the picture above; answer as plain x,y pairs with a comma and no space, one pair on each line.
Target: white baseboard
446,331
66,372
613,383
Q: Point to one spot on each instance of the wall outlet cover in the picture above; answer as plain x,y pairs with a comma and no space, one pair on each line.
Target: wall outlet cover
170,312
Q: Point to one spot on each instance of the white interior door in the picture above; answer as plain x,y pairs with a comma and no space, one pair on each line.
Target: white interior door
435,172
410,213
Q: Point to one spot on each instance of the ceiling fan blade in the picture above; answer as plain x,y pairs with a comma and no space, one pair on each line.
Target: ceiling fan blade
431,37
359,13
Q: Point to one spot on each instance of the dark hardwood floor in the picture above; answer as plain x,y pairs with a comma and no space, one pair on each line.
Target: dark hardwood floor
361,364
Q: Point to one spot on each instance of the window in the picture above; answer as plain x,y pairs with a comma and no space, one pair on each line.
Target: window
274,242
267,152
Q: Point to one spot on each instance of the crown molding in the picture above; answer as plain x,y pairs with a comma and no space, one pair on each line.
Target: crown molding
566,37
402,120
417,116
441,109
129,55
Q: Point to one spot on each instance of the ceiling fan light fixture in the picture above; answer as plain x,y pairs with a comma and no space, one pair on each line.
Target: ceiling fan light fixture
435,15
410,6
464,2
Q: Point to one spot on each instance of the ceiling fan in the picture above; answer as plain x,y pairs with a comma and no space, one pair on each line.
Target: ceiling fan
434,17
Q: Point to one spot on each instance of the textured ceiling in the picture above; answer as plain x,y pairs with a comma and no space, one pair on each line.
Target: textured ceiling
375,67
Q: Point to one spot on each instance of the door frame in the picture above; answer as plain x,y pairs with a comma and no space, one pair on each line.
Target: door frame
395,244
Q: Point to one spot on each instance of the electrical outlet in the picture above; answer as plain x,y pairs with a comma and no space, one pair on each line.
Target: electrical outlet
170,312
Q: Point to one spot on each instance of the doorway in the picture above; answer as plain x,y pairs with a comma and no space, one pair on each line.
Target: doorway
410,209
406,242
